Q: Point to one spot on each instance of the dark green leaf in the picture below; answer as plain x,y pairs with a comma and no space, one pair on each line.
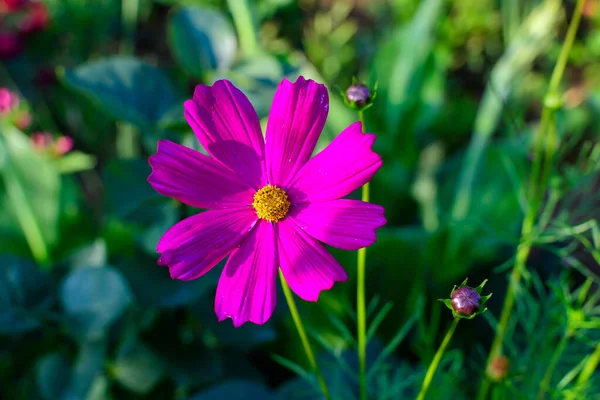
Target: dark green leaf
125,88
137,368
201,39
235,390
94,298
24,292
52,376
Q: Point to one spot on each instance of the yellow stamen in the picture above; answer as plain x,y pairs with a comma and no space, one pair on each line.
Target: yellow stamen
271,203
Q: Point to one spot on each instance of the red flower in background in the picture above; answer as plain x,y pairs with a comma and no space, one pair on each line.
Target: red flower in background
12,5
36,19
20,18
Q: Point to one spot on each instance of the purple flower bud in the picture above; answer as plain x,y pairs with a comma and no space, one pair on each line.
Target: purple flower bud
358,95
466,301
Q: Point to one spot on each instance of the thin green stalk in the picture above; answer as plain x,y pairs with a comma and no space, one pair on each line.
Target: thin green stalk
302,333
436,359
244,25
126,134
23,212
552,365
361,314
129,16
589,367
545,149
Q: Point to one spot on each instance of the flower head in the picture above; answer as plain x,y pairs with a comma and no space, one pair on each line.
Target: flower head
465,301
270,205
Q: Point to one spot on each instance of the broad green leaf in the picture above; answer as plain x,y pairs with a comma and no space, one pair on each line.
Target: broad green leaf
87,380
235,390
137,368
24,292
93,298
125,88
201,40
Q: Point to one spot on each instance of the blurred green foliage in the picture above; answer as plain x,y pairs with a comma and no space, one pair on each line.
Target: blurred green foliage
85,312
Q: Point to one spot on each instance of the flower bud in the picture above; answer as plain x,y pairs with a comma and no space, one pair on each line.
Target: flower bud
497,369
8,101
44,142
466,301
22,120
358,95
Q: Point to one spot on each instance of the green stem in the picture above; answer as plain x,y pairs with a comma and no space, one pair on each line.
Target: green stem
23,211
552,365
129,15
436,359
544,148
361,314
244,25
589,367
302,333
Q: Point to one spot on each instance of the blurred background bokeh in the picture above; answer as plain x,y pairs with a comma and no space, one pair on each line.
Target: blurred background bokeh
88,87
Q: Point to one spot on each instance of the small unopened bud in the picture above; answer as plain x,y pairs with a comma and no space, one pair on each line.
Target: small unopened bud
498,369
358,95
22,120
466,301
44,142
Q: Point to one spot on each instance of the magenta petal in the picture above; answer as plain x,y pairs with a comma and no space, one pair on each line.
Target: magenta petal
296,120
196,244
345,224
307,267
228,128
343,166
247,288
196,179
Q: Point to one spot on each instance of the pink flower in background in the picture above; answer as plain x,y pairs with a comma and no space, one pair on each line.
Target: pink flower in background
22,120
269,203
45,142
8,101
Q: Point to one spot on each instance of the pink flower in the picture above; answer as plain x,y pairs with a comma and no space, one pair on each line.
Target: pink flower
269,203
45,142
8,101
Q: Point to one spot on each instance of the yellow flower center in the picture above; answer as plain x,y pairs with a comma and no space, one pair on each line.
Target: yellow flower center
271,203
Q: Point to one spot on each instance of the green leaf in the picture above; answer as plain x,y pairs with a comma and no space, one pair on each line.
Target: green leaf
29,192
52,376
24,292
125,88
93,299
137,368
236,390
75,161
126,186
201,40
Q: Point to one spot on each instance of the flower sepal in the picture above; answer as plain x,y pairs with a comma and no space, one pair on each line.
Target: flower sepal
467,302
